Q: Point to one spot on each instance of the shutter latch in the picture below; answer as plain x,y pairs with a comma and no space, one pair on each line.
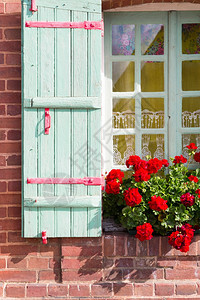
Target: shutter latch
47,121
44,237
33,6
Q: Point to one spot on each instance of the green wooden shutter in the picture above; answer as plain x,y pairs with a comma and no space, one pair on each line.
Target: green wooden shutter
61,71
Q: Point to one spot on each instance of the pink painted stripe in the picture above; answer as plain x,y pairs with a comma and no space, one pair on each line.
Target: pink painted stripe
85,181
85,25
33,6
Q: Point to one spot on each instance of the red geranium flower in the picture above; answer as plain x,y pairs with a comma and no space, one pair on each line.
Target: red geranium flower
141,175
197,157
192,146
113,187
144,232
132,197
136,162
181,238
179,159
187,199
158,203
115,174
198,193
154,165
165,162
193,178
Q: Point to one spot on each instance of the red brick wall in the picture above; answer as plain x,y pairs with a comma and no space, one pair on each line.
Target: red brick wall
116,266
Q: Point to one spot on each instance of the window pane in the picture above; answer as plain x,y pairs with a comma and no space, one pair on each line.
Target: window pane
152,39
191,75
153,146
123,39
191,112
191,38
152,113
152,76
186,140
123,147
123,113
123,75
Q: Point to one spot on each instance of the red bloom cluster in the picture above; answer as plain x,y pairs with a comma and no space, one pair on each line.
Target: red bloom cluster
179,159
187,199
198,193
181,238
193,178
136,162
192,146
197,157
154,165
144,232
141,175
132,197
115,174
113,187
158,203
165,162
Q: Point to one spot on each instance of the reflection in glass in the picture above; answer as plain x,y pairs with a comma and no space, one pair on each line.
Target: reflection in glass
186,140
152,39
123,113
191,112
152,76
123,39
191,75
123,147
152,113
191,38
123,76
153,146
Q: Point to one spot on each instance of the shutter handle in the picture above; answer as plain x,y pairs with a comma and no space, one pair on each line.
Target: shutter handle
33,6
47,121
44,237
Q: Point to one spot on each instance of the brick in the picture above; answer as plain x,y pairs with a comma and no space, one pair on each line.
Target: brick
187,262
18,276
143,289
1,59
81,275
14,123
15,237
131,246
10,224
54,263
108,262
93,263
38,263
14,135
3,212
36,290
123,289
1,8
13,7
120,245
116,3
58,290
10,72
11,97
10,147
164,262
166,249
101,289
15,291
145,262
48,276
8,46
10,173
172,274
2,161
10,199
95,241
2,237
13,59
2,135
14,186
186,289
164,289
12,34
154,245
142,248
1,34
3,186
17,250
79,290
14,110
2,263
143,274
113,274
14,160
2,85
105,5
126,3
86,251
50,250
14,85
124,263
17,263
109,245
14,212
2,110
10,21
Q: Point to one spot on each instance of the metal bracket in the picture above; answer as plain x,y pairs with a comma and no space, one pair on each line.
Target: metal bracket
33,6
47,121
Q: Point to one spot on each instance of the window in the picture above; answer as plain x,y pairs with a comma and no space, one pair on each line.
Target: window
152,85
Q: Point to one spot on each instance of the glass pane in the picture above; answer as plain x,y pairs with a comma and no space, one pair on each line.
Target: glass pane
123,113
191,38
153,146
152,76
123,39
152,39
191,112
152,113
123,75
191,75
123,147
186,140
